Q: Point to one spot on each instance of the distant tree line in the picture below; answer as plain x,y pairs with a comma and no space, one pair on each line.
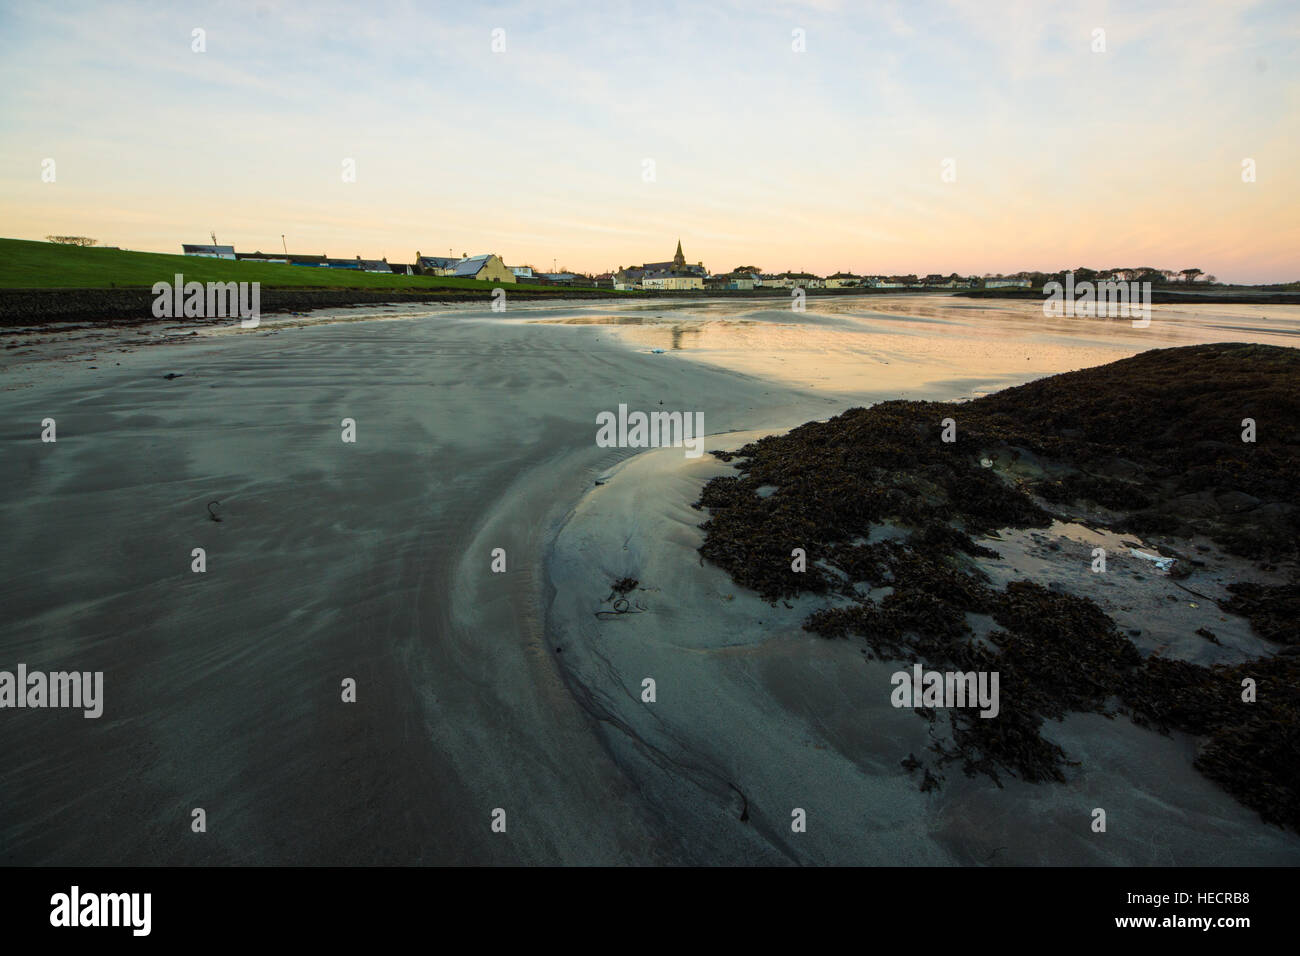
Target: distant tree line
73,240
1125,274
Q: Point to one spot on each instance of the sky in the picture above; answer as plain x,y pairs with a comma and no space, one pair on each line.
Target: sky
974,138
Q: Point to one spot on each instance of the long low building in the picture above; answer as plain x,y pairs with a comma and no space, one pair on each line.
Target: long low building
273,257
668,281
321,261
208,251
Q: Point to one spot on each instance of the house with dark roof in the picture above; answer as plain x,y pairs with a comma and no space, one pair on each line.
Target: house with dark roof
485,268
804,280
435,265
731,281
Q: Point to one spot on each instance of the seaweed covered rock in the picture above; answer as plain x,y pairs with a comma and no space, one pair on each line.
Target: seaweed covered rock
1274,612
887,499
1142,434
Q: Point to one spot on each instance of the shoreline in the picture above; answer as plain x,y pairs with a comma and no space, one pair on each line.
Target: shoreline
1158,296
755,717
55,310
51,308
756,714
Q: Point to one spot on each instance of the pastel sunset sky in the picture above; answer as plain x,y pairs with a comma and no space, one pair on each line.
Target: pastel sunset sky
824,160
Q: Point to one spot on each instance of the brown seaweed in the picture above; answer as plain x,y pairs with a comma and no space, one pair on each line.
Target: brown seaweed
1154,440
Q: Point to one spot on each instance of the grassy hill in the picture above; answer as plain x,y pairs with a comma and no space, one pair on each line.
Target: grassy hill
47,265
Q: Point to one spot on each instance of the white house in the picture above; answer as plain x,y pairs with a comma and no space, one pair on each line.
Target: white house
208,251
670,281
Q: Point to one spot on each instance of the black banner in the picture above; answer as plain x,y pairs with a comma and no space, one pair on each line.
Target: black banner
333,905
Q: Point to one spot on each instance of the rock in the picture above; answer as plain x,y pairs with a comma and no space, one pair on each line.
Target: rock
1201,504
1275,511
1236,502
1120,468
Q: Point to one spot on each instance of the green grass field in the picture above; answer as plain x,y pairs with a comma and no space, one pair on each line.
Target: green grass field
48,265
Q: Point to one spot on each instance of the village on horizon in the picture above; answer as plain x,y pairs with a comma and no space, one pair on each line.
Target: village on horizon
674,274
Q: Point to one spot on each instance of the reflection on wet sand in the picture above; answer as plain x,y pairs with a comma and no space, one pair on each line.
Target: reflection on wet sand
902,345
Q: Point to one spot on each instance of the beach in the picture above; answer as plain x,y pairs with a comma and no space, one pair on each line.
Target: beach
480,690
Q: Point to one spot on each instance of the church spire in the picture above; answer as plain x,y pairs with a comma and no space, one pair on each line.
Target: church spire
679,259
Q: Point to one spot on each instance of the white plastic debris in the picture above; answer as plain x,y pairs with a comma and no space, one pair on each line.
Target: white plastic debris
986,463
1164,564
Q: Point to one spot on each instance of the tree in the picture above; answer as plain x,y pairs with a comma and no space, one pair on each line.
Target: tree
73,240
1191,274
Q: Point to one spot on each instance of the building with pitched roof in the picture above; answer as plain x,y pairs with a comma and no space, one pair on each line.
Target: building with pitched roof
435,265
485,268
666,280
673,274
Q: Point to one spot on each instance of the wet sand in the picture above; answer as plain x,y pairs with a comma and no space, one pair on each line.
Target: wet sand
755,715
373,561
